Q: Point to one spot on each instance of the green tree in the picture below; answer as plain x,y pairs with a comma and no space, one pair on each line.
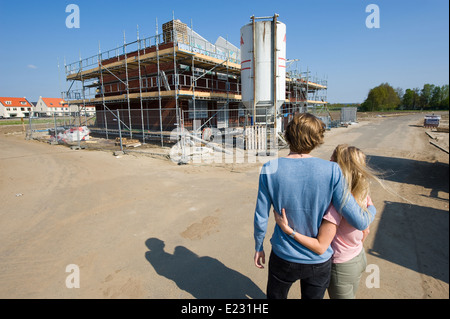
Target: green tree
444,103
416,104
382,97
425,95
400,92
411,99
408,99
436,97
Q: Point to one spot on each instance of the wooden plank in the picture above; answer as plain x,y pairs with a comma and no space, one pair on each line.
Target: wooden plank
438,146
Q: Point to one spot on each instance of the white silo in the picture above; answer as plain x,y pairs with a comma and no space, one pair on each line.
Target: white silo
263,67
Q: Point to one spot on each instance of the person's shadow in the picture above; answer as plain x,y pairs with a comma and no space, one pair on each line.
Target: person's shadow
202,277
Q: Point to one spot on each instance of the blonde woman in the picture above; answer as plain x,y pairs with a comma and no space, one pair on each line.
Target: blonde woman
348,260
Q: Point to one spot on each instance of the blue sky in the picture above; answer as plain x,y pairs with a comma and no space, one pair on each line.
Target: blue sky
329,37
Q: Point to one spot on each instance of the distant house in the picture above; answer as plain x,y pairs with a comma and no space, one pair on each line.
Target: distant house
14,107
49,106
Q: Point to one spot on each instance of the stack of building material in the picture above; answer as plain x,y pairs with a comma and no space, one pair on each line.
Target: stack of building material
128,142
73,134
177,27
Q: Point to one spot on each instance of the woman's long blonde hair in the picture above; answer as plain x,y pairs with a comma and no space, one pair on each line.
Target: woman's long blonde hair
358,175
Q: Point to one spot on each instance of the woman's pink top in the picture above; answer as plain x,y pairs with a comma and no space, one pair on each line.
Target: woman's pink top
347,243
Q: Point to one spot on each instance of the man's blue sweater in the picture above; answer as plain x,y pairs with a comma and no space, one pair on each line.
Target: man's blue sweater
304,187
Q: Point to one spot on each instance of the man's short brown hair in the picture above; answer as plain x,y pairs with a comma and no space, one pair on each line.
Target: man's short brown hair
304,133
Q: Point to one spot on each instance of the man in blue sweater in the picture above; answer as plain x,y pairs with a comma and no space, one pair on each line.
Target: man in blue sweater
304,186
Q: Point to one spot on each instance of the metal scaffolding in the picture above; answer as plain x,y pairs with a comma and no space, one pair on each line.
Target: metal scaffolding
110,95
181,69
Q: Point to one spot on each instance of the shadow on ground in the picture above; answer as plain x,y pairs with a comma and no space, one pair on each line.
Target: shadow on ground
414,237
411,235
202,277
431,175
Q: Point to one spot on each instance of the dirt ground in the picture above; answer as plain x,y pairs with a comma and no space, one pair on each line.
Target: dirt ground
143,227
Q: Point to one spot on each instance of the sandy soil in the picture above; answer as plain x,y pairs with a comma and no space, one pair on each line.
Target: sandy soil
144,227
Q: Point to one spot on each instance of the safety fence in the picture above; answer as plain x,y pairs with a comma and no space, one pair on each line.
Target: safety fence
105,129
170,132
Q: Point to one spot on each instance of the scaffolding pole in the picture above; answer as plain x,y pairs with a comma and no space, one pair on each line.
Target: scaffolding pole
82,90
127,84
275,76
307,88
254,70
193,86
175,75
140,86
66,97
228,85
103,91
159,85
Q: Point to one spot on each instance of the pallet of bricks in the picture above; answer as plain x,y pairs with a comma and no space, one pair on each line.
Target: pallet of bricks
180,28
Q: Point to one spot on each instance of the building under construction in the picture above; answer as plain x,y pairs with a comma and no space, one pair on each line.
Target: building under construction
174,80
